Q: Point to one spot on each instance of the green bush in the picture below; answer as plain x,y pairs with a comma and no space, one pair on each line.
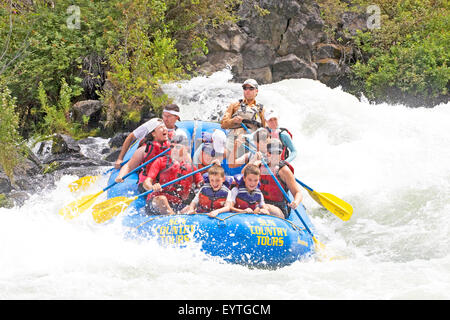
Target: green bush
408,58
12,149
136,42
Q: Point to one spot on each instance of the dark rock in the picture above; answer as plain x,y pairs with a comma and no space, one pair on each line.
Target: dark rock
328,50
261,75
64,144
257,55
86,108
328,68
118,139
292,66
112,156
5,183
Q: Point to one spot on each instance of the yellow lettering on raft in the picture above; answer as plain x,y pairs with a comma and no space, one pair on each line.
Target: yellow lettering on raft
268,234
175,232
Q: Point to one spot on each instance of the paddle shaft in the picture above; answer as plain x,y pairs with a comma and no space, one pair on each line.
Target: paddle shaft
137,168
176,180
286,196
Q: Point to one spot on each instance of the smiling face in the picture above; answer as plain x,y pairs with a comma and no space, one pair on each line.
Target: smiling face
216,181
161,133
251,181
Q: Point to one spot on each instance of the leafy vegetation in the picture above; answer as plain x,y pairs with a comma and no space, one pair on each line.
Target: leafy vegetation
11,143
71,49
55,53
409,55
407,59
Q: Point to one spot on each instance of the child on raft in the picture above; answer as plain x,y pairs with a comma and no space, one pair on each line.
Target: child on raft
213,197
247,197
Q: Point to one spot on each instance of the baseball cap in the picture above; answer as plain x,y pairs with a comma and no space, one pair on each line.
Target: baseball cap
152,124
219,139
271,113
251,82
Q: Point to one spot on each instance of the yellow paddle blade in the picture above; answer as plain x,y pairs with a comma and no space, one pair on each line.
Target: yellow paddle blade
337,206
77,207
110,208
82,183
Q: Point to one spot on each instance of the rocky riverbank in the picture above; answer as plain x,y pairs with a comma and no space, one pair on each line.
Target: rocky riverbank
48,160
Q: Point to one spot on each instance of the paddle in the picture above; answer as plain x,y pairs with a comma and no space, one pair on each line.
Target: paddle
333,204
286,197
112,207
337,206
77,207
84,182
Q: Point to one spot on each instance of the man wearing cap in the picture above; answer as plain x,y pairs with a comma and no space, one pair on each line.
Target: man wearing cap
170,115
245,111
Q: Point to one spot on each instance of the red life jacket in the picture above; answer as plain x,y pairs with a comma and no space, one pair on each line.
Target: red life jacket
177,192
246,199
269,187
209,200
152,149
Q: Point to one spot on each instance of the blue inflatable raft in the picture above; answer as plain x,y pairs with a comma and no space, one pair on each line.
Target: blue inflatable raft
250,239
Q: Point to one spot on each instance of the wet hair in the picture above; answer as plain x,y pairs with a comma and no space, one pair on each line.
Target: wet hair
216,171
251,169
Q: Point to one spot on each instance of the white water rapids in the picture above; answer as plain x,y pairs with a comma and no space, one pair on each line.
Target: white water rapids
391,163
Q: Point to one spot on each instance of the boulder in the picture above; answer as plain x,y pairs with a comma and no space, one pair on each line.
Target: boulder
261,75
328,68
328,50
63,143
291,66
86,108
257,54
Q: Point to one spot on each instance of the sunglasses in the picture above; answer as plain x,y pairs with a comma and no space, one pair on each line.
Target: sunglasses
276,151
248,88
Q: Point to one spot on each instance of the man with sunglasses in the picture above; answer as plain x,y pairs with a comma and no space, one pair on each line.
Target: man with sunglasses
245,111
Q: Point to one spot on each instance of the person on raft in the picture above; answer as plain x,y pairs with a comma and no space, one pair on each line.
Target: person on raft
260,138
212,147
245,111
174,197
213,197
289,151
155,142
248,198
284,172
170,115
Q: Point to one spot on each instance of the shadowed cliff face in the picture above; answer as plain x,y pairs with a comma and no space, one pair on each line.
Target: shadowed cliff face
288,41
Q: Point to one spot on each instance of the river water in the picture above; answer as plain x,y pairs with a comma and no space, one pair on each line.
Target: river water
391,163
